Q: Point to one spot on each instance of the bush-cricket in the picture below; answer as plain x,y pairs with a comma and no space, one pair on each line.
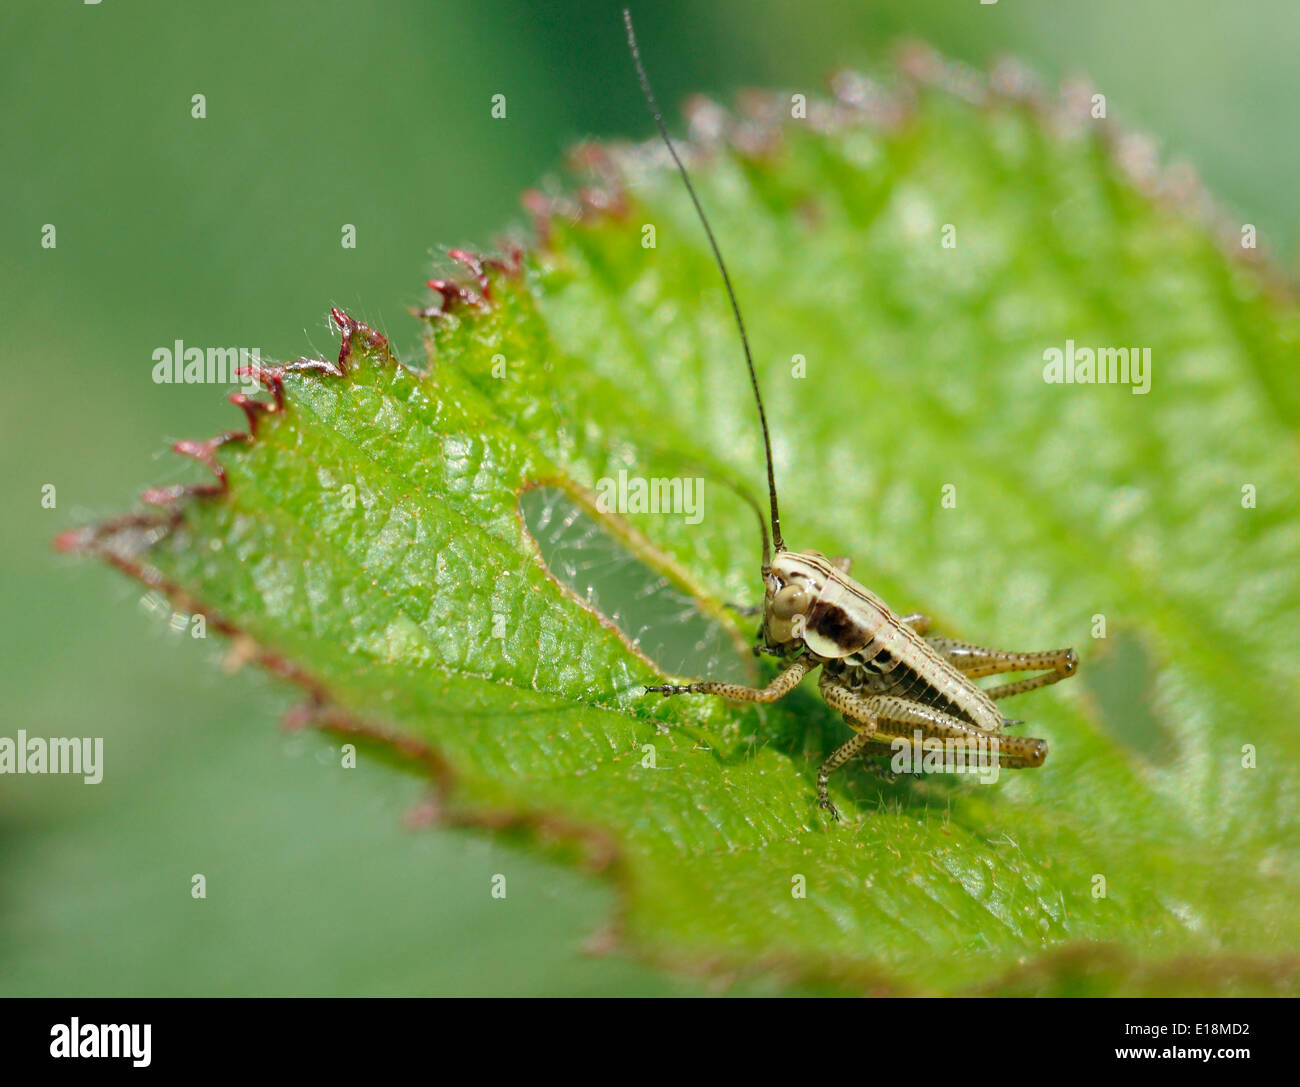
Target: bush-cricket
886,674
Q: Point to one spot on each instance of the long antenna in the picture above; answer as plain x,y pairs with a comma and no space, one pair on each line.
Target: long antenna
726,279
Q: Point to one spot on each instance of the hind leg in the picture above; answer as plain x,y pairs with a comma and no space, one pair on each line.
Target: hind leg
899,718
880,718
975,661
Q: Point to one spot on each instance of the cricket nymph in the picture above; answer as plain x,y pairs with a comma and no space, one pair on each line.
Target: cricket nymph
813,604
887,676
884,673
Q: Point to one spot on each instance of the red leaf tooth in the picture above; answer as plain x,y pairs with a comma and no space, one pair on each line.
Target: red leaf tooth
606,197
270,378
599,202
350,331
165,496
253,409
540,208
87,538
70,541
475,265
456,294
453,295
511,263
591,205
592,158
206,454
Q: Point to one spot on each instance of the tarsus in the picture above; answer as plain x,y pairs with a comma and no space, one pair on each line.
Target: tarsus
726,279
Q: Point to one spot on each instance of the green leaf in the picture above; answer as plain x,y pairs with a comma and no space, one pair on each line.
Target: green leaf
370,542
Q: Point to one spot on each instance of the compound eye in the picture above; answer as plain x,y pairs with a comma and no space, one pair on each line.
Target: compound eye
789,602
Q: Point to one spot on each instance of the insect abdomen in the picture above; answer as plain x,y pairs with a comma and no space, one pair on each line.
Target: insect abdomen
898,662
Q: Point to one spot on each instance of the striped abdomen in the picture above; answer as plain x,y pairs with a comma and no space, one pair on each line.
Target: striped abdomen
898,662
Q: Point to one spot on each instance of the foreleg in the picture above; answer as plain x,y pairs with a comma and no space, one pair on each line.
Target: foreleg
781,686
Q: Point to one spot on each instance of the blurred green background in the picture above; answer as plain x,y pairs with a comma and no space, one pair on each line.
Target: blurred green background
226,231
